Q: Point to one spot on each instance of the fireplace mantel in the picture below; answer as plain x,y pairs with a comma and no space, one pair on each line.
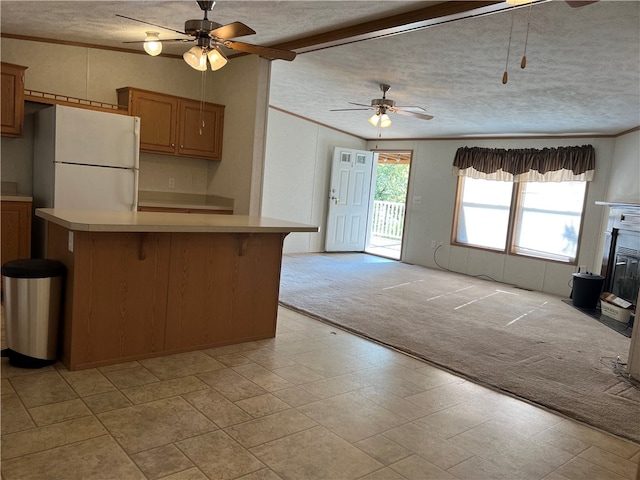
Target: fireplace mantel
621,254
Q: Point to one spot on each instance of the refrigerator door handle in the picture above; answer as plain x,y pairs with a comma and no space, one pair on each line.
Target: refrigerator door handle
136,156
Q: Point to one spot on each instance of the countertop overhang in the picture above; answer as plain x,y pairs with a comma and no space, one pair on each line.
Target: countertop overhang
112,221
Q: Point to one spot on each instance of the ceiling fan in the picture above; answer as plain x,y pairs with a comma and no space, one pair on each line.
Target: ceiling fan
209,37
383,105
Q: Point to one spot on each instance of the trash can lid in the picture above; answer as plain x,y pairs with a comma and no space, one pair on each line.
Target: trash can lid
33,268
588,276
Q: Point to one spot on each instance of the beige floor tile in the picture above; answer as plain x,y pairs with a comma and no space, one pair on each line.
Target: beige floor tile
42,389
59,412
219,456
561,440
5,386
453,420
164,389
268,358
315,454
104,402
446,396
50,436
384,398
476,468
330,361
192,473
150,425
383,474
580,469
330,387
610,461
262,474
118,366
9,371
295,396
217,408
426,377
269,428
161,461
383,449
298,374
131,377
262,377
352,416
14,416
96,458
429,446
231,384
417,468
262,405
511,451
232,359
181,365
87,382
596,438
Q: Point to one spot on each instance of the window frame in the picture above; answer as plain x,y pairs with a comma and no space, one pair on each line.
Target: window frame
512,226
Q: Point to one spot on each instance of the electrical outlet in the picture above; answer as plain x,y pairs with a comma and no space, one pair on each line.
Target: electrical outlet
172,183
433,244
440,244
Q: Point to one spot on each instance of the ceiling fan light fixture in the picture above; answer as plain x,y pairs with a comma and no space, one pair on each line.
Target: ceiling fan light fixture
217,59
374,119
152,44
195,57
385,121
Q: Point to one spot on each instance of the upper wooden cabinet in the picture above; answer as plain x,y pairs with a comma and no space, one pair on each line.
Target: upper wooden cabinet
175,125
12,95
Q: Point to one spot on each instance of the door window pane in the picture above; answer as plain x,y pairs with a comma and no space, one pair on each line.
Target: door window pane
483,215
548,219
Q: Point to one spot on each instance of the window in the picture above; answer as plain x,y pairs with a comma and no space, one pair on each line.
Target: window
542,219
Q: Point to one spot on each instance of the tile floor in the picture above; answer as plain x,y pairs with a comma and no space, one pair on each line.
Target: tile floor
313,403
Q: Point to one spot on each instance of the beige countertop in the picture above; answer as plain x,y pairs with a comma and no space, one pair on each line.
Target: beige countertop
183,200
15,198
109,221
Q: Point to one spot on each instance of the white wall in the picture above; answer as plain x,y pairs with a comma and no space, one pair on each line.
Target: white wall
432,219
296,175
297,168
96,74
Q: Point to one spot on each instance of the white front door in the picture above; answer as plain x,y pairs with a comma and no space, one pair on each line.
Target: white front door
349,196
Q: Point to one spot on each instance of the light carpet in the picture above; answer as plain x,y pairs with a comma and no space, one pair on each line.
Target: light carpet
529,344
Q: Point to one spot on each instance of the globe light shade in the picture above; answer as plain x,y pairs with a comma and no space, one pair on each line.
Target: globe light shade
195,58
152,44
217,59
385,121
374,119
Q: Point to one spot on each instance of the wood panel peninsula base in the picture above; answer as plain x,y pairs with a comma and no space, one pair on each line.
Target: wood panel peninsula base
143,284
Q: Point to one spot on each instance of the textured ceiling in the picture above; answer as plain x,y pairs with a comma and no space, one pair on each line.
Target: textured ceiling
582,74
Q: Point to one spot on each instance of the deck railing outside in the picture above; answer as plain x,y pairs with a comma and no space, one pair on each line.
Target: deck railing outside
388,219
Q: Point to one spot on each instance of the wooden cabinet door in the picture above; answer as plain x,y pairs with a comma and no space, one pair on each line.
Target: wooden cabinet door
16,230
12,94
158,119
200,129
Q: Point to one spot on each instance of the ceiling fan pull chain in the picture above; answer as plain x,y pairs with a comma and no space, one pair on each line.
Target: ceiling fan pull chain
523,63
203,82
505,75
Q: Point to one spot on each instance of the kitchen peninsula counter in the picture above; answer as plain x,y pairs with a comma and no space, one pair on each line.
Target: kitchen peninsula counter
145,284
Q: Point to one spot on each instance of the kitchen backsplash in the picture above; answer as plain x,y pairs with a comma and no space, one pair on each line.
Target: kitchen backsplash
164,173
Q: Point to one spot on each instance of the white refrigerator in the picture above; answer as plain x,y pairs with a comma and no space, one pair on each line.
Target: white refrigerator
84,159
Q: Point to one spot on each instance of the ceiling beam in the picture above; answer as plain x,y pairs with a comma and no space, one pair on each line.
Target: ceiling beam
434,14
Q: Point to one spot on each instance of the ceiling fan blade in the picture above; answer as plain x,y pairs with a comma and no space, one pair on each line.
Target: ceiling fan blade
360,104
166,40
152,24
232,30
266,52
412,114
348,109
409,107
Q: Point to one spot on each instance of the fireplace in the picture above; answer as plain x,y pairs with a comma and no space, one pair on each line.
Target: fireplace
621,256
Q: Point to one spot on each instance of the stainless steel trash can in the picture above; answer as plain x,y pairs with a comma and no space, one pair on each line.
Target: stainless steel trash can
32,299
